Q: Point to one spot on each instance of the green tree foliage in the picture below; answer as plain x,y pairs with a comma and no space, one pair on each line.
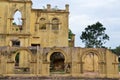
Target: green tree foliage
116,50
94,36
70,34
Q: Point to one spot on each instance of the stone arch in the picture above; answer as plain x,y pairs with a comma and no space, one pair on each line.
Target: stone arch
14,10
55,18
91,51
57,61
90,60
17,10
23,66
18,50
56,50
17,14
39,18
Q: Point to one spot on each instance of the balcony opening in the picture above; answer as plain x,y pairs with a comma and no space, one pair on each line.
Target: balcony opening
16,43
17,20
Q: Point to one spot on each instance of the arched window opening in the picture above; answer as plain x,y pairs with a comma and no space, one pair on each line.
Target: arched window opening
55,24
42,24
18,19
17,59
57,62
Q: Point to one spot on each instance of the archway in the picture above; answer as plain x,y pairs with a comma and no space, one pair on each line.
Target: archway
17,58
22,62
57,62
90,64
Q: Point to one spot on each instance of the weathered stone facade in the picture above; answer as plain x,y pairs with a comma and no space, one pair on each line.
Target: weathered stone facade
30,47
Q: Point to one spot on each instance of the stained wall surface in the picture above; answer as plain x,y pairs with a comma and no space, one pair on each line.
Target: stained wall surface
27,46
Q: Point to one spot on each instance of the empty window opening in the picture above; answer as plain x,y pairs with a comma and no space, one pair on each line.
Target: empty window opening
42,24
18,22
17,59
17,18
16,43
35,45
55,24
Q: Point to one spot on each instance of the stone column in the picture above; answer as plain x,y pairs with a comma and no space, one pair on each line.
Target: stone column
81,67
10,67
102,69
45,69
37,27
75,69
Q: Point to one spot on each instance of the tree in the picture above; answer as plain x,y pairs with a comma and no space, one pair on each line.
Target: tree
70,34
116,50
94,36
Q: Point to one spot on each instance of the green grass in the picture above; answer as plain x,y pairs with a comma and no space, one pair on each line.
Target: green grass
57,72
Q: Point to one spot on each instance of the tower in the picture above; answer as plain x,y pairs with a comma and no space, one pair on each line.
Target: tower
44,27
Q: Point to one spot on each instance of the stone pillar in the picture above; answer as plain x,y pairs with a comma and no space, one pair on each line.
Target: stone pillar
10,67
36,27
75,69
24,59
102,69
48,7
45,69
67,7
3,65
38,60
81,67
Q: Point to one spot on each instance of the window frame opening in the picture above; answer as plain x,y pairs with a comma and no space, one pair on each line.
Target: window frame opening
55,24
42,24
15,43
17,21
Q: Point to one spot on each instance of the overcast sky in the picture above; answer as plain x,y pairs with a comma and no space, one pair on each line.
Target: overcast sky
87,12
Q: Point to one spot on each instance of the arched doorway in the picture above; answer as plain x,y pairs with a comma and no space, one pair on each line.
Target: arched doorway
57,62
17,57
90,63
22,62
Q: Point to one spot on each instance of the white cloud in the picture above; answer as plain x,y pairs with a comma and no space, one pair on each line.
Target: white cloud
98,3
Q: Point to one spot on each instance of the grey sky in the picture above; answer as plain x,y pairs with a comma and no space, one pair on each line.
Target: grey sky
87,12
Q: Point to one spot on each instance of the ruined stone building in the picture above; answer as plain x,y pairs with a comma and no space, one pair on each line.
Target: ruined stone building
37,44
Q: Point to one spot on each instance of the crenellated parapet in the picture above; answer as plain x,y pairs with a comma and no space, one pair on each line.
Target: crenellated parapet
48,8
